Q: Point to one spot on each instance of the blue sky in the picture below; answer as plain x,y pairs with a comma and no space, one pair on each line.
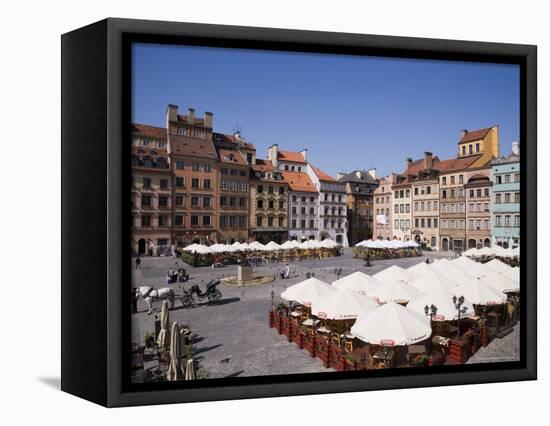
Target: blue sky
350,112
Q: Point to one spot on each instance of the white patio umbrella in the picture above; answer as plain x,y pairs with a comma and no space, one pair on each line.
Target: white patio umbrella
486,251
470,252
392,325
418,270
446,267
443,301
191,247
513,274
470,267
479,293
287,245
500,282
412,244
364,243
356,281
502,252
308,291
342,304
256,245
307,244
431,281
163,339
272,246
200,249
393,290
328,243
175,370
515,251
394,272
496,265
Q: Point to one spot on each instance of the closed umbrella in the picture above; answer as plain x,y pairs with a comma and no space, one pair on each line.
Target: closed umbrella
392,273
479,293
190,370
431,281
175,371
356,281
342,305
163,338
496,265
443,301
392,325
393,291
307,292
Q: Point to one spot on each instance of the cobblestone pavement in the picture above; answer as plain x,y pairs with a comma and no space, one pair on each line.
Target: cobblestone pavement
499,350
233,337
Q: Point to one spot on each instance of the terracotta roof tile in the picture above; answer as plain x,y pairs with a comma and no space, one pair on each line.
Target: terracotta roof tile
456,164
475,135
322,175
193,147
197,122
230,156
299,182
291,156
149,131
220,137
263,165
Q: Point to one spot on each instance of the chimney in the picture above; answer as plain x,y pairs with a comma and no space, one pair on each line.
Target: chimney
408,162
304,154
272,152
463,133
208,116
515,148
372,172
359,174
171,114
427,160
191,116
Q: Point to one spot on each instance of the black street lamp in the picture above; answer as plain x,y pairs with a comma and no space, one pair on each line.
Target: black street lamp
272,303
430,311
458,302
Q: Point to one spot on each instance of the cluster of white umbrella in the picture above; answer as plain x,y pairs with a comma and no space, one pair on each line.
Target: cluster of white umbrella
387,244
495,251
376,302
257,246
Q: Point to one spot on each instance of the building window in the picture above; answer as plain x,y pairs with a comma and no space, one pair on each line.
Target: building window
207,184
498,221
224,171
516,221
452,180
194,183
242,202
194,220
303,224
180,165
506,178
477,147
461,179
196,166
194,201
146,182
516,197
486,192
270,221
223,184
293,223
163,201
206,202
498,179
145,201
516,177
206,220
463,149
281,204
259,221
207,168
164,183
507,198
178,220
163,220
444,193
179,181
470,150
507,221
145,220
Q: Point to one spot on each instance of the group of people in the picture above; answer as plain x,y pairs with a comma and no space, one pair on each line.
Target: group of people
173,276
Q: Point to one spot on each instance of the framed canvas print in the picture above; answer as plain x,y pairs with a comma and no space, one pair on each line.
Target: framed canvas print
254,212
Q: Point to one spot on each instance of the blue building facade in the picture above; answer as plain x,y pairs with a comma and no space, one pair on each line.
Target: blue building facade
505,200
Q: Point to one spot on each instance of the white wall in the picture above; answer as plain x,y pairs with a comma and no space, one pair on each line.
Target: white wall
30,83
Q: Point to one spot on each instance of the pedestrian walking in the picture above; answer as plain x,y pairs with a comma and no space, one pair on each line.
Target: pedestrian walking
138,262
428,261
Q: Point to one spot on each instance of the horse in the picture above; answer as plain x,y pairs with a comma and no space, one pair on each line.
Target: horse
151,295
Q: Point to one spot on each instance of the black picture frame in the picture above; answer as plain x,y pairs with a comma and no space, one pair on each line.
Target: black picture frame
95,210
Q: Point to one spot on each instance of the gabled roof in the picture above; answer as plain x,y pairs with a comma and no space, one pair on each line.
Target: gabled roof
299,182
263,165
224,138
352,177
322,175
456,164
291,156
149,131
184,145
230,156
474,135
